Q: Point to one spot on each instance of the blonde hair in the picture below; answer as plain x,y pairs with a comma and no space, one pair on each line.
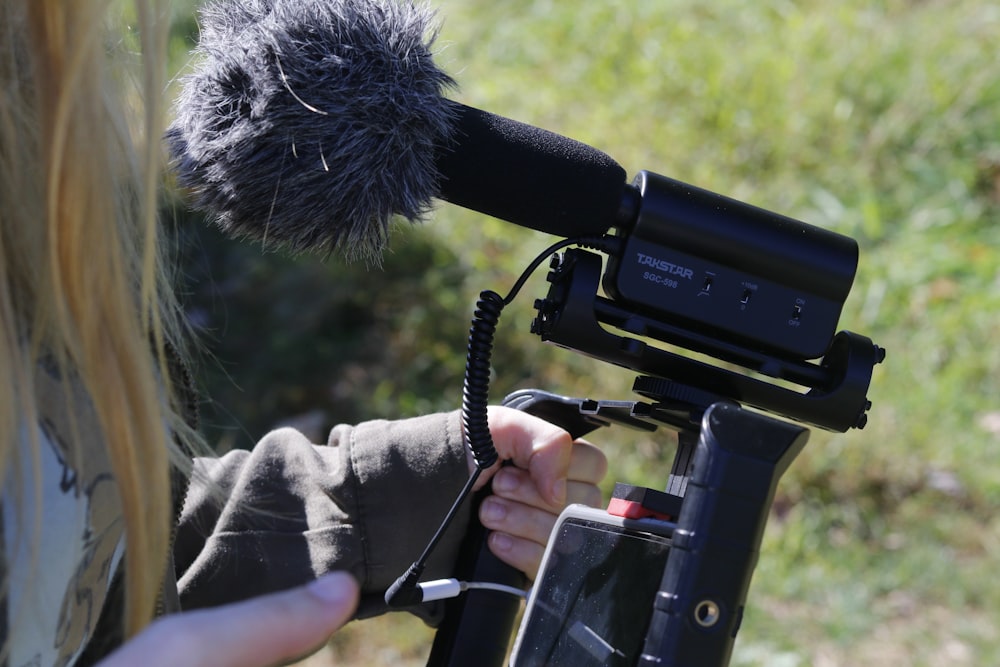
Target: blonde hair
82,279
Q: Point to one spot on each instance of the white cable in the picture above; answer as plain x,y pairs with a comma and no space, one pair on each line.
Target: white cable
442,589
502,588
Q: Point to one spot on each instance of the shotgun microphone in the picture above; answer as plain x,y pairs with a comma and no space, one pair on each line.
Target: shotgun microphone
312,123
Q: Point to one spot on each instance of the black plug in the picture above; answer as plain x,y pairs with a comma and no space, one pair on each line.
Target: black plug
405,591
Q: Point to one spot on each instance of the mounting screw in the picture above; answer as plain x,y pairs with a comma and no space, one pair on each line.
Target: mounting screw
707,613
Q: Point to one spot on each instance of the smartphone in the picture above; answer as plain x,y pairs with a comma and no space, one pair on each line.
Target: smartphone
593,597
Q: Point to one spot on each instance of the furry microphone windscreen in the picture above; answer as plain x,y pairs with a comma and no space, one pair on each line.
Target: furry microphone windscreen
310,124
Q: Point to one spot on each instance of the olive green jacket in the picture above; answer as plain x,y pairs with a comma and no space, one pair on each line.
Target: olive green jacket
250,522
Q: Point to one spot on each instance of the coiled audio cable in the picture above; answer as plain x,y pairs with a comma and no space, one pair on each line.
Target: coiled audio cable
406,591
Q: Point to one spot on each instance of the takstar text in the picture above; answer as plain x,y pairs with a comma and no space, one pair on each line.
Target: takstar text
665,266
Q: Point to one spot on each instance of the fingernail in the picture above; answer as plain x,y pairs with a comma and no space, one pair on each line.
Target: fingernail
493,511
559,491
501,542
504,482
333,587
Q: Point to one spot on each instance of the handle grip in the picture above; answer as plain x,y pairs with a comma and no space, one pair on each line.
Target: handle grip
478,626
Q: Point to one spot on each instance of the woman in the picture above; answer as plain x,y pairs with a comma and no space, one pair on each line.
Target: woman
92,427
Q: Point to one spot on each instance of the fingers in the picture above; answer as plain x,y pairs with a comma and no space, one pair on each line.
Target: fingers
522,554
522,519
519,530
535,445
516,519
517,511
546,451
549,471
516,485
264,631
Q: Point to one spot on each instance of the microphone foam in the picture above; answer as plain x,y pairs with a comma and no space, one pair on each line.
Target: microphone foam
311,123
530,176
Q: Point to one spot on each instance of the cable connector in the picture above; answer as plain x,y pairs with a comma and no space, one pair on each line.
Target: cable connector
441,589
607,244
406,591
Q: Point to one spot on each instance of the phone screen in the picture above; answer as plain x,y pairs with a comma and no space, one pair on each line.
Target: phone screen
593,599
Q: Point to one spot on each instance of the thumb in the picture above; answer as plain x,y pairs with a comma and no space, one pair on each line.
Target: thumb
264,631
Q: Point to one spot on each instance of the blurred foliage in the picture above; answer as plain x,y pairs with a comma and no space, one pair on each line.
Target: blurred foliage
877,119
316,342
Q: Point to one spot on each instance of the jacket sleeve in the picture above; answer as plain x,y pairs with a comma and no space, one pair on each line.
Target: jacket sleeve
287,511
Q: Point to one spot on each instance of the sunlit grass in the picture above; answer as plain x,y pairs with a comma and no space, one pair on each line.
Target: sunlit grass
878,120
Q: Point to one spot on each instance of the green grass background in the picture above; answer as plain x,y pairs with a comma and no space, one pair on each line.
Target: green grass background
880,120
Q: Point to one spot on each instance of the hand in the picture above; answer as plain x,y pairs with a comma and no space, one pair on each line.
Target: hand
549,471
269,630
